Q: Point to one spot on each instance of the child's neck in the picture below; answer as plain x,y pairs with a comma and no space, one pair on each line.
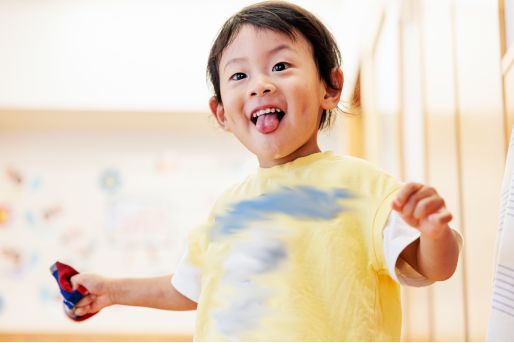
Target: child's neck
304,150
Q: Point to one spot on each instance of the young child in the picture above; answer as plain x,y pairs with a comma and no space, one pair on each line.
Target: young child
307,248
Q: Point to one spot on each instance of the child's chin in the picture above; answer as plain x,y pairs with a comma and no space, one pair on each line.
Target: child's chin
272,154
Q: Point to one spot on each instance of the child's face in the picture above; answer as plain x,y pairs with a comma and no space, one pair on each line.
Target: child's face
265,71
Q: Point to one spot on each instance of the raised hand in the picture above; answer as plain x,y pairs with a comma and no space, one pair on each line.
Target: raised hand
422,207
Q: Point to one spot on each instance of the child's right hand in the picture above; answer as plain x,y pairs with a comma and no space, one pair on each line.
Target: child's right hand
100,293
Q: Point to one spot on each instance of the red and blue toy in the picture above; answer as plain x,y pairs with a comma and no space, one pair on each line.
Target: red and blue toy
62,274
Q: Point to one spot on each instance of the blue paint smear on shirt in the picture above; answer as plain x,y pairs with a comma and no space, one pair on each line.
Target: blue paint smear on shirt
302,202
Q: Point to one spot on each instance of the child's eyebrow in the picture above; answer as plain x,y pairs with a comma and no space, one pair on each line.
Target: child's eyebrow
234,60
270,52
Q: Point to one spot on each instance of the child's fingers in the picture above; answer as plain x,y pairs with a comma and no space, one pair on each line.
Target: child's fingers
88,304
442,217
80,311
412,202
76,281
427,206
88,299
404,193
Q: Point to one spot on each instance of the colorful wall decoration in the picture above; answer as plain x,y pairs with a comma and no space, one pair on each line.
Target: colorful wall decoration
113,206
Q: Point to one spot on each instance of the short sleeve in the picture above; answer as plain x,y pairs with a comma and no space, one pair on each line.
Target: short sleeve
397,236
380,218
187,276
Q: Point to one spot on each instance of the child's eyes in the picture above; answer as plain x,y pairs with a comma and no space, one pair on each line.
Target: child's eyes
238,76
277,67
280,66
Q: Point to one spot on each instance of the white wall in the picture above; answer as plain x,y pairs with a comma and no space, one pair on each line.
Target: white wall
128,55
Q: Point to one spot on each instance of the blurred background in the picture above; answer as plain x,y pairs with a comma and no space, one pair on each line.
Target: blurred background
108,155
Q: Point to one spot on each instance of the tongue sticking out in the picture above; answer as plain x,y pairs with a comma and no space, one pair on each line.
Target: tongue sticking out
267,123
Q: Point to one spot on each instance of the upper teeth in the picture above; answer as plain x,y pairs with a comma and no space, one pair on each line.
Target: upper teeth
265,111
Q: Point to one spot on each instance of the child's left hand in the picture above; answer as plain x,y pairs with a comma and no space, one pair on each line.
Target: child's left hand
422,207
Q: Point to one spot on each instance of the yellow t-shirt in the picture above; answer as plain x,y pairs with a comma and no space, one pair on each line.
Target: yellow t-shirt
295,253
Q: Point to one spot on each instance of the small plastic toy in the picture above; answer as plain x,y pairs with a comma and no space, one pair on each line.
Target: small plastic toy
62,274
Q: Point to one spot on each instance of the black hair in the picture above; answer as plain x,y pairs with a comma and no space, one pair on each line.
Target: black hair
287,18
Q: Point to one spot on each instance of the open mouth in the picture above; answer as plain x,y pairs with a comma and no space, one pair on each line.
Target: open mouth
261,114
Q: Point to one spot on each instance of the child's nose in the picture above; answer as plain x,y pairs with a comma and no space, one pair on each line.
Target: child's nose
261,86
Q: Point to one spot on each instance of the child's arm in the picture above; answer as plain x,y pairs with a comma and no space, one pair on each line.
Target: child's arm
436,253
157,292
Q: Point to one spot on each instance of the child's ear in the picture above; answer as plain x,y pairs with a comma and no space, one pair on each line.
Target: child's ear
219,112
332,95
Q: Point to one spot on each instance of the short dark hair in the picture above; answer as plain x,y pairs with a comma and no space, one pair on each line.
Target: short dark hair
287,18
